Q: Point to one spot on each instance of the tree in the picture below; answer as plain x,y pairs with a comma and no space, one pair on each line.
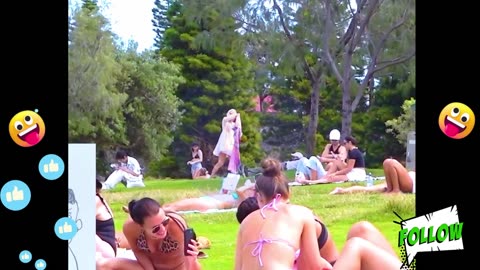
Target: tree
118,98
317,39
160,21
379,35
403,124
217,79
151,110
95,105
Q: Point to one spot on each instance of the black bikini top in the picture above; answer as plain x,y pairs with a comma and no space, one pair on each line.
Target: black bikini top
322,239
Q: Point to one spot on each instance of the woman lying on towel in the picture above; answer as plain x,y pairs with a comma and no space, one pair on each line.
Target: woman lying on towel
210,202
397,180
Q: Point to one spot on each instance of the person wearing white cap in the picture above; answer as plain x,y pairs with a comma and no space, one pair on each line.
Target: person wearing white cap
334,154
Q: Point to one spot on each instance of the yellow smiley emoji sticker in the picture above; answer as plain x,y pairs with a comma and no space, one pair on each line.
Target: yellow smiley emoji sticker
456,120
27,128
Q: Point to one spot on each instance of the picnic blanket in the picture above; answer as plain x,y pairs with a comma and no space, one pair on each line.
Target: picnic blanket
295,183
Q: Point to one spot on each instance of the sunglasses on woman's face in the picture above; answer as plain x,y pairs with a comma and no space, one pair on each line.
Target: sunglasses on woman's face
164,223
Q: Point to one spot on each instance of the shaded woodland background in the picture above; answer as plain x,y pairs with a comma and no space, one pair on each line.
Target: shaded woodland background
293,69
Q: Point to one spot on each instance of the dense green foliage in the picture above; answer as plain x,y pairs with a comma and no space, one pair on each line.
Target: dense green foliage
217,79
219,55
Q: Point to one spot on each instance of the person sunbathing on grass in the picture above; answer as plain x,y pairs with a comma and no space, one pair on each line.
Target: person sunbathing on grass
362,238
210,202
397,180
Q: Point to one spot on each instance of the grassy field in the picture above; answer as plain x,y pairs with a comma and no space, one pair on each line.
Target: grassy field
338,212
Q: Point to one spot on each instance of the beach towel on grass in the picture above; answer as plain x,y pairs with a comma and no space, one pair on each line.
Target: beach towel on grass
294,183
210,211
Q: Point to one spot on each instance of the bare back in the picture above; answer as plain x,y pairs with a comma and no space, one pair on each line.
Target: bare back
103,211
273,240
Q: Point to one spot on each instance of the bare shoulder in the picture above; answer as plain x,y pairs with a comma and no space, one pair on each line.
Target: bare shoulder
130,228
326,149
300,211
178,218
97,200
252,216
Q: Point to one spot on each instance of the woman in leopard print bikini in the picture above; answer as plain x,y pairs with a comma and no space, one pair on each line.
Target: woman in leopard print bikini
156,239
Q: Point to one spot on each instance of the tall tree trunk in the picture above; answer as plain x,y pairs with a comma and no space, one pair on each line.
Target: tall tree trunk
347,114
313,122
347,110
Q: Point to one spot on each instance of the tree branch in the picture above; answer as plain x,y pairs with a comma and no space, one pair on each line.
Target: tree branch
384,64
375,66
245,22
351,27
326,37
306,67
363,20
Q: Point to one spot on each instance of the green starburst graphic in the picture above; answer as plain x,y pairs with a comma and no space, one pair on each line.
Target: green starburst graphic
403,255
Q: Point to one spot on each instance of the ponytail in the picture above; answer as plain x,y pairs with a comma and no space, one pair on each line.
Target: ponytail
140,209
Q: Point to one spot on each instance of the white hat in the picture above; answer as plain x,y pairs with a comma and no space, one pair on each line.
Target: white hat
334,134
297,155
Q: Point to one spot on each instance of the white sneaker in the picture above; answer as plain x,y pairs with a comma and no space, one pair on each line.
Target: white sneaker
300,177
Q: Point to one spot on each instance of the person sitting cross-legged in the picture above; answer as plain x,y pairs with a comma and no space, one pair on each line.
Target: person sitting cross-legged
128,169
334,154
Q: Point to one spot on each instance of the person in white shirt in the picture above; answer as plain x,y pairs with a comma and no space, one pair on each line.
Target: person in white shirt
128,169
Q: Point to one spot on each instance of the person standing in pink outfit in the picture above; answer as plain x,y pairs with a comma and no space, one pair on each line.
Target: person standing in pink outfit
234,161
225,145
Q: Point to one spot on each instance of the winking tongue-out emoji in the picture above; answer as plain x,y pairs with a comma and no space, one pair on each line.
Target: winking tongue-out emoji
456,120
27,128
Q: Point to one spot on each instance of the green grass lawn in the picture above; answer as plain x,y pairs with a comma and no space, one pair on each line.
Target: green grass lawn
338,212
